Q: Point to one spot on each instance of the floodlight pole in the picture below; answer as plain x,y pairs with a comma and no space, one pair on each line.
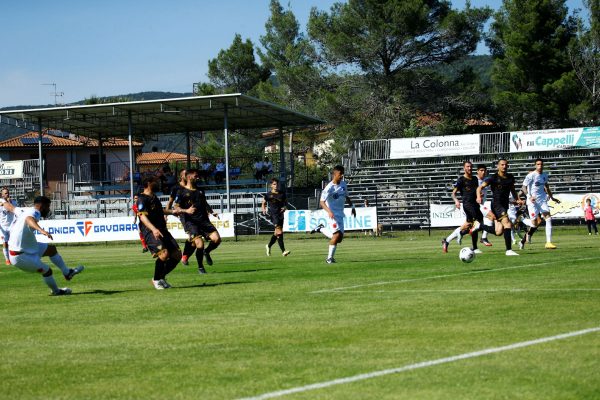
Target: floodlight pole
225,128
40,157
130,134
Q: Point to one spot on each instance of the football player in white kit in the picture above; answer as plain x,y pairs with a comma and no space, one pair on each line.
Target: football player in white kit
6,219
333,199
537,190
25,251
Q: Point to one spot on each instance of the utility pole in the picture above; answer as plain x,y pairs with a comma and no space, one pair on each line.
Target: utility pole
55,93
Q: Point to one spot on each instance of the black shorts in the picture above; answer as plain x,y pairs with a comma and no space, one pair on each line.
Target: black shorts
499,211
155,245
277,220
473,212
195,229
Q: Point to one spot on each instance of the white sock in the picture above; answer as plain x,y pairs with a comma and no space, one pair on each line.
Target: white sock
51,283
484,235
332,248
512,235
5,250
453,235
549,230
528,222
58,261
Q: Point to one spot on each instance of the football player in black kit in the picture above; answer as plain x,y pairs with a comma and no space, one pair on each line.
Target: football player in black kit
159,240
276,202
188,248
197,224
503,185
467,185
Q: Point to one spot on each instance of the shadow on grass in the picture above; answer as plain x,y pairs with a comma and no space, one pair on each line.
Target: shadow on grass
201,285
104,292
243,270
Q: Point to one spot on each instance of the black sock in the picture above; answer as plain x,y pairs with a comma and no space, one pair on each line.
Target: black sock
507,239
280,242
159,269
474,240
211,246
188,248
199,258
531,231
273,240
170,265
489,228
464,232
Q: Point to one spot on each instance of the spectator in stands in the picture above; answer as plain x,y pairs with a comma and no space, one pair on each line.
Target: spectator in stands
590,216
126,175
258,166
267,168
220,172
206,171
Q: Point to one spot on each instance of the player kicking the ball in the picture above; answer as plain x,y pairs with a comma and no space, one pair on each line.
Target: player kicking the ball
333,199
26,253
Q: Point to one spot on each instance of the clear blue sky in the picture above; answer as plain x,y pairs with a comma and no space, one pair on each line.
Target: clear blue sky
114,47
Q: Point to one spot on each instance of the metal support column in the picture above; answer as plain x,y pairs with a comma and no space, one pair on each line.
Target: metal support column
100,163
282,173
226,128
40,157
188,147
130,134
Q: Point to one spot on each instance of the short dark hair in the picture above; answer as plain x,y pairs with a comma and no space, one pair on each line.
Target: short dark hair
502,159
148,180
274,180
192,171
481,166
538,159
467,162
339,168
42,200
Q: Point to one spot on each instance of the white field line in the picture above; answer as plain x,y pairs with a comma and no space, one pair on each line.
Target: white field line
426,278
423,364
498,290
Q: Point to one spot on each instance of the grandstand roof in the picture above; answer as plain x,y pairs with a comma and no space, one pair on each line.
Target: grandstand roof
30,139
161,158
185,114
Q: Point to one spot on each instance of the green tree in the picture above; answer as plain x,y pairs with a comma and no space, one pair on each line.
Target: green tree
533,80
378,57
291,58
235,69
584,54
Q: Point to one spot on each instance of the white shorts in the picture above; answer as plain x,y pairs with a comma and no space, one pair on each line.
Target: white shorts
512,213
485,210
537,208
31,262
333,225
5,234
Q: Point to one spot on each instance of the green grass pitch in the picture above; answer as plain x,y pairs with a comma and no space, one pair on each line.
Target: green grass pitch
257,324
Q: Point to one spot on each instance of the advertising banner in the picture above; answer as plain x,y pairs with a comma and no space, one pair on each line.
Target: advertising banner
434,146
571,206
11,169
554,139
306,220
118,228
442,215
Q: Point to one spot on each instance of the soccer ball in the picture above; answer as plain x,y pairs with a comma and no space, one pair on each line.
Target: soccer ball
466,255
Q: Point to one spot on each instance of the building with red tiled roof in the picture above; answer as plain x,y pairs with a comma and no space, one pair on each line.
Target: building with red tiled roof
65,154
160,158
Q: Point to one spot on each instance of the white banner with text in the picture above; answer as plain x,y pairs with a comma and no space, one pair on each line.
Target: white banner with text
11,169
118,228
307,220
554,139
434,146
